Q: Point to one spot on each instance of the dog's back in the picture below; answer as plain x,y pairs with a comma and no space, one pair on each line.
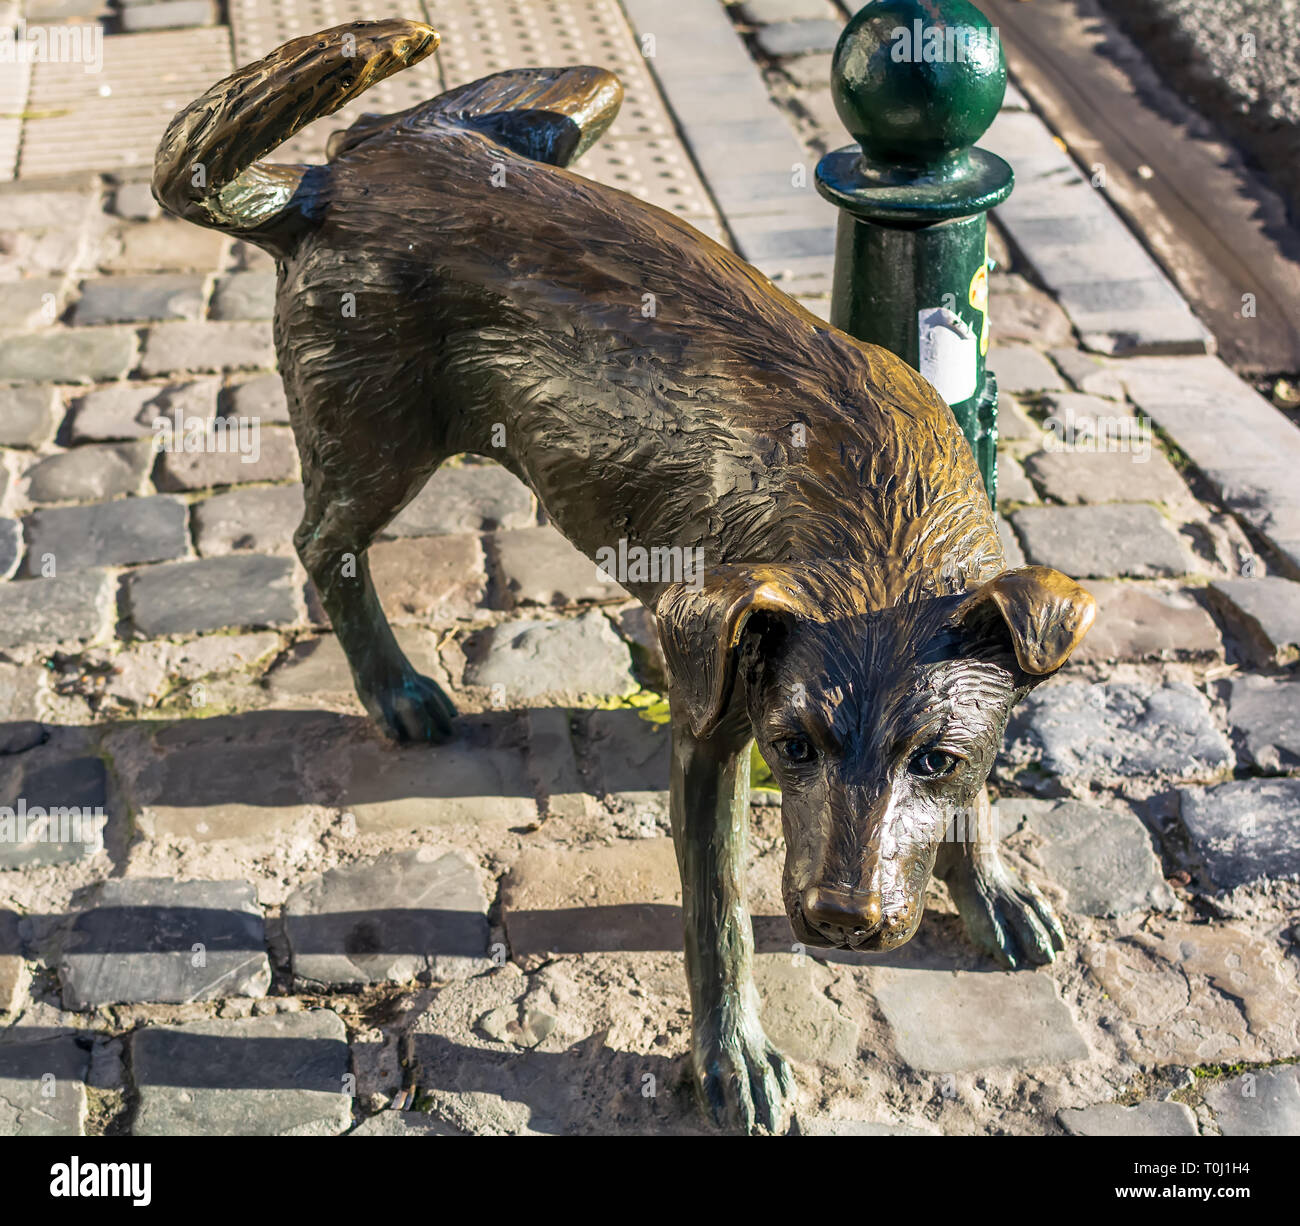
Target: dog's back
642,379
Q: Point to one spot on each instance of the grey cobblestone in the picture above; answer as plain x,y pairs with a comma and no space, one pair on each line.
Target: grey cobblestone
47,779
11,546
432,922
259,520
1032,1025
244,295
1101,855
113,300
31,303
1075,733
207,347
60,609
1079,476
1138,622
27,1109
476,498
163,245
282,1075
1261,1103
272,457
69,355
1245,829
1119,539
438,578
564,657
258,396
540,567
135,202
92,472
213,594
798,37
27,415
1267,610
1020,368
1151,1119
128,410
137,937
121,533
1266,715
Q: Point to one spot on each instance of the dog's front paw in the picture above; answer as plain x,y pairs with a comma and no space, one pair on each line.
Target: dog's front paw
743,1082
1006,917
412,709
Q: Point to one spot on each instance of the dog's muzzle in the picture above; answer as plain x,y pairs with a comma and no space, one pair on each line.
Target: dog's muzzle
845,920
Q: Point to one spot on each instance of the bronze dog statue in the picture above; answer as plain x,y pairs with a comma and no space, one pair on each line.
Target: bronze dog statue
854,612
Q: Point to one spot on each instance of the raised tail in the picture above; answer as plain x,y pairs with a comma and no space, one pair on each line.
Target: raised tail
206,168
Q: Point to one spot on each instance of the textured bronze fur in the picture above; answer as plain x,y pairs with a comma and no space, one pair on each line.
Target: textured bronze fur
652,388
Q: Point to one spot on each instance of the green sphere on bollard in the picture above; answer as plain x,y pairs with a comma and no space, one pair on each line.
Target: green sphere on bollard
917,83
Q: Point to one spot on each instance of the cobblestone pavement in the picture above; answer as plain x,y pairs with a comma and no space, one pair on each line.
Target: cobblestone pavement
294,927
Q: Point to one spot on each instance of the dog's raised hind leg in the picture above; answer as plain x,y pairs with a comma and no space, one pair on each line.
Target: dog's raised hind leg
332,541
743,1081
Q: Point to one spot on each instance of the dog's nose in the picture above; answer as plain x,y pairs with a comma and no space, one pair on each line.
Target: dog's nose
843,911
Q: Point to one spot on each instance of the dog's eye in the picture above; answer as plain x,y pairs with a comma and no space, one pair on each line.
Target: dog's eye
932,764
797,750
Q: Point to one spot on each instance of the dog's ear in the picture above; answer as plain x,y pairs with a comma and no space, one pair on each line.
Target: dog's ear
1046,613
700,627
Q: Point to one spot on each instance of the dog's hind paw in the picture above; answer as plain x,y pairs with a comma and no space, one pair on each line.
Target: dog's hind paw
1007,917
743,1082
413,709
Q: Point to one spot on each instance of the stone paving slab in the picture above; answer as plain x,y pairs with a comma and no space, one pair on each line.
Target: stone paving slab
43,1084
172,942
391,790
432,922
1266,610
988,1021
27,415
1130,540
219,792
1193,994
437,578
1141,622
473,498
61,609
97,471
1101,855
566,658
623,897
66,355
259,520
121,533
539,567
1245,829
283,1075
1266,715
1262,1103
1081,476
1105,732
214,594
53,783
1151,1119
129,410
1190,399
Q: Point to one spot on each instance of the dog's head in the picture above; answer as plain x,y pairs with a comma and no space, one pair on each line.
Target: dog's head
880,725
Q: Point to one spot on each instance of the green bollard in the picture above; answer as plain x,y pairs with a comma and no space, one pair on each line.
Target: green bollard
917,83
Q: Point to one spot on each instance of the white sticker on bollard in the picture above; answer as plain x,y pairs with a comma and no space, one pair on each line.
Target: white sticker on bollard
949,352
